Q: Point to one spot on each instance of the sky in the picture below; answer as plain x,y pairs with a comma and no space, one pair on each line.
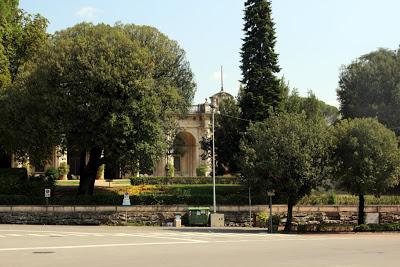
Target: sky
314,37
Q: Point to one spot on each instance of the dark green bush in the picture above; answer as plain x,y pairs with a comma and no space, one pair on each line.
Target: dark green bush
52,174
14,182
202,170
11,180
377,227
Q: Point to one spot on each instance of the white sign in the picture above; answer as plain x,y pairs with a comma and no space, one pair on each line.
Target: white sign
47,192
127,200
271,193
371,218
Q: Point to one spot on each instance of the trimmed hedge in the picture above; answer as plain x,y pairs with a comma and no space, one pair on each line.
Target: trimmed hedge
162,180
15,182
377,227
11,180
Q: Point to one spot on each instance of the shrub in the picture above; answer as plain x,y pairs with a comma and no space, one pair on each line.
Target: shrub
63,169
35,186
319,199
11,180
202,170
377,227
263,217
170,170
52,174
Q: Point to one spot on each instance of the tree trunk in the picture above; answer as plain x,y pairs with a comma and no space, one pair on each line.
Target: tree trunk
361,203
89,171
288,225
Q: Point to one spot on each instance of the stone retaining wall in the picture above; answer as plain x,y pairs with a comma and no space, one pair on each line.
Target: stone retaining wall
164,215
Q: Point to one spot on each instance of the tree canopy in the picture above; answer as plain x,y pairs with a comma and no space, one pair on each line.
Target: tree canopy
370,87
261,92
311,105
367,158
289,153
227,137
21,36
106,91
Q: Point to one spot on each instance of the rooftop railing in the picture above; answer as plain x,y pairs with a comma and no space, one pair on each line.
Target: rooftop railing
200,108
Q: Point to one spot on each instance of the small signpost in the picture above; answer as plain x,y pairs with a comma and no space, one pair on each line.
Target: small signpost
126,201
270,193
47,195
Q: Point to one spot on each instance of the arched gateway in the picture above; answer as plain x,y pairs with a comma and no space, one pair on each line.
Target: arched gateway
192,129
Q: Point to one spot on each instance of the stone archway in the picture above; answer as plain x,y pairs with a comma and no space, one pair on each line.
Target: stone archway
185,156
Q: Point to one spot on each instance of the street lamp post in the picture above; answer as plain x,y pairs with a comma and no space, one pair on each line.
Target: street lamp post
270,193
213,158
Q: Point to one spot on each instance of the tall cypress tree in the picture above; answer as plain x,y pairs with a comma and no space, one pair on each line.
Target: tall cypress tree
261,91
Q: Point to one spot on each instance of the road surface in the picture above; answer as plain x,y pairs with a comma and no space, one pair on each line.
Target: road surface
75,246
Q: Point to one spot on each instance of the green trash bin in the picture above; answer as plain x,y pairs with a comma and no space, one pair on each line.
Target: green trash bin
199,216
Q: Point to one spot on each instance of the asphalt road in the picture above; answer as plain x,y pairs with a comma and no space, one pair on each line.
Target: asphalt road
58,246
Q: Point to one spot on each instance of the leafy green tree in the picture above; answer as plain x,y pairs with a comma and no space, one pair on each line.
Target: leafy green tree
311,105
370,87
103,95
21,37
289,153
262,92
367,158
8,8
227,138
171,66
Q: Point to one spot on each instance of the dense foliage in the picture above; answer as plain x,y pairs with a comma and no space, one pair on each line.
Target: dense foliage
227,138
384,227
21,38
312,106
261,92
367,157
110,92
370,87
289,153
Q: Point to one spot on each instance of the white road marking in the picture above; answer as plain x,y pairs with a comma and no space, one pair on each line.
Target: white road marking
162,237
36,235
97,246
179,236
187,241
95,234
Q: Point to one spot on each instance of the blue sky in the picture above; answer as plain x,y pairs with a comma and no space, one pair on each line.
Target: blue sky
314,37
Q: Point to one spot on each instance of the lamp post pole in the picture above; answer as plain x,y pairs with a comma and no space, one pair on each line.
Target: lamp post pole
270,193
213,159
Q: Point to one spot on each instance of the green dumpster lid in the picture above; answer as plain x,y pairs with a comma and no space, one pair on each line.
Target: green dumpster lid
199,208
